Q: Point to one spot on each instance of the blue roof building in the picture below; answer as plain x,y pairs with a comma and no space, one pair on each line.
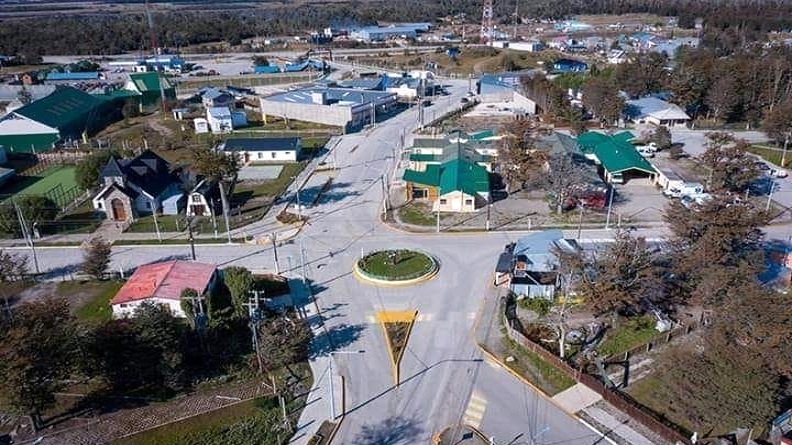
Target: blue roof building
54,76
569,66
266,69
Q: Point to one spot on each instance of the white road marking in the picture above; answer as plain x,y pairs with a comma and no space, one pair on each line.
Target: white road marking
474,412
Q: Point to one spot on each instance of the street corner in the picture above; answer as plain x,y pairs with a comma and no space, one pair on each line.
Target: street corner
462,434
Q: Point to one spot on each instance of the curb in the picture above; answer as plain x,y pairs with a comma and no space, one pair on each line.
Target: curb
527,382
343,410
363,278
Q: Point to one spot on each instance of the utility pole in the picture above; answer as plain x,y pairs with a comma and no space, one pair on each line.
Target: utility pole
253,306
190,238
438,217
274,239
612,191
156,224
580,222
384,197
489,204
783,154
773,186
26,233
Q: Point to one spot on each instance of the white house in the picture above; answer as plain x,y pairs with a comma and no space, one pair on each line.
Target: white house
201,125
212,97
219,120
264,149
651,110
162,284
204,199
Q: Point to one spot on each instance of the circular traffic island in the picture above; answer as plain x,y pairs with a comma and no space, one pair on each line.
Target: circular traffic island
396,267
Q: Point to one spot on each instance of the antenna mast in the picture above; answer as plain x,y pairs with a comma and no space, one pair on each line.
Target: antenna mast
486,22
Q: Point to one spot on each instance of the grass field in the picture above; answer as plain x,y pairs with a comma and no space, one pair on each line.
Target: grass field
44,183
90,299
406,264
627,335
772,155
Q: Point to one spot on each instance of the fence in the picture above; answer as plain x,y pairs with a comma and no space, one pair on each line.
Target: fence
661,339
623,402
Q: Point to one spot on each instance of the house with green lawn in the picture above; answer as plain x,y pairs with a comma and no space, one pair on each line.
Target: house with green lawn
66,115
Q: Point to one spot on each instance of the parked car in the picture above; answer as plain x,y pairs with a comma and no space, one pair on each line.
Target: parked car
646,151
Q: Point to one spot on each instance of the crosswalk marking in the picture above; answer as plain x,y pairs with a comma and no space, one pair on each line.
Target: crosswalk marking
471,315
424,317
474,412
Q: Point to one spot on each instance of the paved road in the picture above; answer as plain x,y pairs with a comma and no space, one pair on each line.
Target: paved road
443,375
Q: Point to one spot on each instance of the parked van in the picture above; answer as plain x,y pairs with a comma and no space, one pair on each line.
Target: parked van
691,189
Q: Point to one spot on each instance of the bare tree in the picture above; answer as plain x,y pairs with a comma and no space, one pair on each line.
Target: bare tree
730,167
564,174
518,158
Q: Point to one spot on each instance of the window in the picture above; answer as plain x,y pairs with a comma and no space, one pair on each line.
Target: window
100,205
260,155
443,201
148,205
468,202
274,155
196,197
124,305
419,193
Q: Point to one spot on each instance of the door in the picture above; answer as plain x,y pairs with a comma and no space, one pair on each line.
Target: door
117,207
198,209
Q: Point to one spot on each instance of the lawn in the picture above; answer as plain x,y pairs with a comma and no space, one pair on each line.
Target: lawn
248,422
167,223
417,214
212,427
90,300
539,372
248,189
628,334
396,264
770,154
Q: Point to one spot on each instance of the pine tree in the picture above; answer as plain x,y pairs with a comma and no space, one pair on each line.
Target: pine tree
96,258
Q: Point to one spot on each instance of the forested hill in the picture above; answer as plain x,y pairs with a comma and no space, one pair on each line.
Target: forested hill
91,30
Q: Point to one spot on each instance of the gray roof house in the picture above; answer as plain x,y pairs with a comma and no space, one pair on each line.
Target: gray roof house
284,149
137,185
535,264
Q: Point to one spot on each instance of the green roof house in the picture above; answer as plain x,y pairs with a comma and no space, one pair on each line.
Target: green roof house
149,86
67,114
454,186
452,173
618,158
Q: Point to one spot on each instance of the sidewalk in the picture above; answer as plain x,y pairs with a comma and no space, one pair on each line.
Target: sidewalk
576,401
259,232
317,408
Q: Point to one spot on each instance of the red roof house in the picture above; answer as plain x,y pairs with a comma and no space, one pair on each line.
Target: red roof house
163,283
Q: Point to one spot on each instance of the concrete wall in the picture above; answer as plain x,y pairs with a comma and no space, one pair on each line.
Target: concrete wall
269,156
455,202
125,310
321,114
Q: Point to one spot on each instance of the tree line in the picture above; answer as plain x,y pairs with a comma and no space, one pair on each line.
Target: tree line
735,372
728,26
43,346
752,86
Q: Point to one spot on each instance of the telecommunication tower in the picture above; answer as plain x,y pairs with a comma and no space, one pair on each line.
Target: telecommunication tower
486,22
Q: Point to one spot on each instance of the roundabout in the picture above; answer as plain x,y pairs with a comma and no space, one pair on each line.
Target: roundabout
396,267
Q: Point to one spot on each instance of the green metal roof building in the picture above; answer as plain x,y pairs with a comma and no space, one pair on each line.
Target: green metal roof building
617,156
66,114
149,86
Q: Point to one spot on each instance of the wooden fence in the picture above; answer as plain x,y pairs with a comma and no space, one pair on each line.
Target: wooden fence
623,402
